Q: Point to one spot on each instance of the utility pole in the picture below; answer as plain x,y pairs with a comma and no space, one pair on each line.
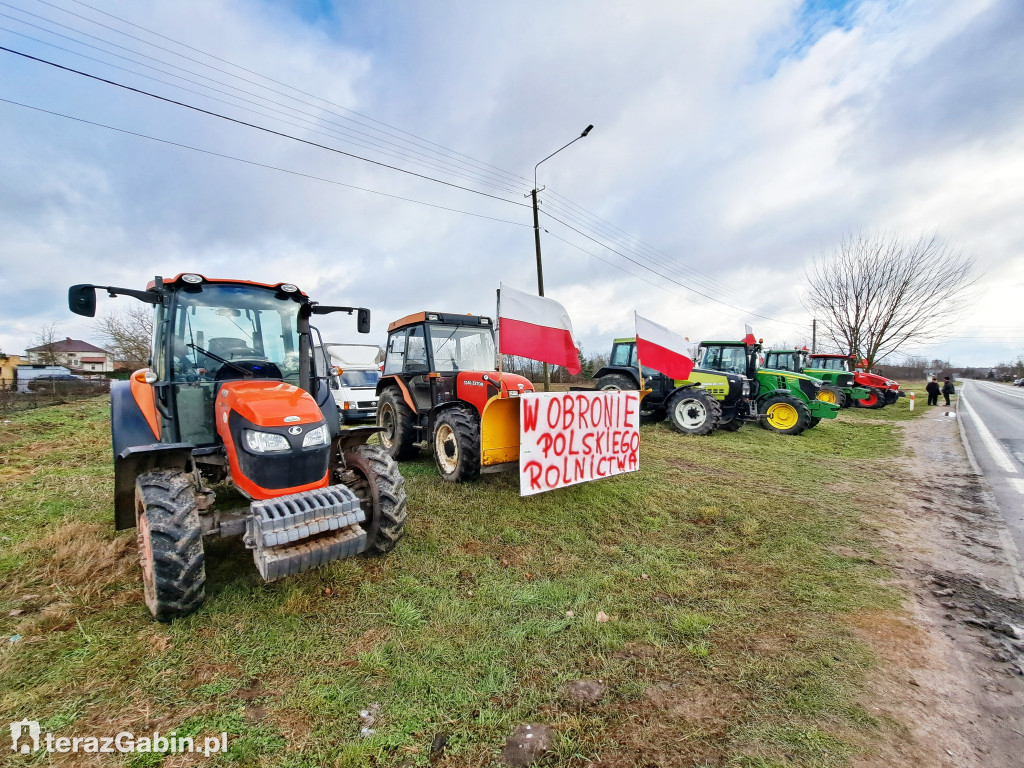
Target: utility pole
814,335
536,237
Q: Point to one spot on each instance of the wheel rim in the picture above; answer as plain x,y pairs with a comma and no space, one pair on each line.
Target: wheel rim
782,416
145,543
611,388
446,448
691,413
870,400
827,396
387,421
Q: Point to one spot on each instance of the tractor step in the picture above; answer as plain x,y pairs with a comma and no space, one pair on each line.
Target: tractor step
301,531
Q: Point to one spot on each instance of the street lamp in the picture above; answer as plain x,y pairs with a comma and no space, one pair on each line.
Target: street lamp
536,237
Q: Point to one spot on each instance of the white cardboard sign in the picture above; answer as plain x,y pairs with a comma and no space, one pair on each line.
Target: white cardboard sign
567,438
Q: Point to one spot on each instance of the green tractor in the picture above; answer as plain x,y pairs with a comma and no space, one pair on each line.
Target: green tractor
785,401
704,402
837,385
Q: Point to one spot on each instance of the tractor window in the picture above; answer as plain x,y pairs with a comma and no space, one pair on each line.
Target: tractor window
624,354
395,355
832,363
357,378
462,348
727,359
416,350
782,361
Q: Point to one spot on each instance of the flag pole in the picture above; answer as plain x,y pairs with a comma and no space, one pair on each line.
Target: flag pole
636,345
497,332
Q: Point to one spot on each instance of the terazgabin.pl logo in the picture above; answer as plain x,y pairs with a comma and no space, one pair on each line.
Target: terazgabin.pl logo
26,738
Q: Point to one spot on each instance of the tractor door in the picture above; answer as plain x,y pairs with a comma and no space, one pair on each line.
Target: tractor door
416,368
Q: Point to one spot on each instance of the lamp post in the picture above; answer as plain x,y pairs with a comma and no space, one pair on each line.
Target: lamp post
536,237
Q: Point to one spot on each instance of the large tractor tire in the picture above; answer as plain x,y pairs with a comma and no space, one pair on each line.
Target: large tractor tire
873,400
616,382
456,445
784,414
399,434
733,425
815,421
381,491
831,394
170,544
694,412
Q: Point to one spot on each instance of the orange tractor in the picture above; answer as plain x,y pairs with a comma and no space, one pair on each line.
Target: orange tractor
232,399
440,383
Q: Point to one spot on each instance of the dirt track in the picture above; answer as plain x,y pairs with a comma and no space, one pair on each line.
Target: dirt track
953,680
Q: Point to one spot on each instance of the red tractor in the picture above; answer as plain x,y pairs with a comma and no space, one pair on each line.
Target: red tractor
440,383
881,391
232,398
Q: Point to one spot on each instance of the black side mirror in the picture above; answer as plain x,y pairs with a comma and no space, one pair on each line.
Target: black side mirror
363,320
82,300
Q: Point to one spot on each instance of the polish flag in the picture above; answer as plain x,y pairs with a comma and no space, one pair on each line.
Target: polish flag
658,348
749,338
537,328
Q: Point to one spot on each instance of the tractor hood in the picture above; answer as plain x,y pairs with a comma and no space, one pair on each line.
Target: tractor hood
267,403
874,380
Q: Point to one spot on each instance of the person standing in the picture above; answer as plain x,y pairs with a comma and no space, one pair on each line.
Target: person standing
948,389
933,392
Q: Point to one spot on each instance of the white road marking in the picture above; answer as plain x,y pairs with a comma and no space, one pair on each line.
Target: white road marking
1017,483
995,450
1002,390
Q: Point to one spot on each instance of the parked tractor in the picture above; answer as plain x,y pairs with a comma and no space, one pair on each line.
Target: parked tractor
699,405
440,384
881,391
836,386
786,402
232,399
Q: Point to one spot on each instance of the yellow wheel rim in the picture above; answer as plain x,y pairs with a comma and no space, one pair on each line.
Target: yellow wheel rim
782,416
827,396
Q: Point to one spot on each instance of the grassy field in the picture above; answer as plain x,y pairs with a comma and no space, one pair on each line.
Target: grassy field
732,568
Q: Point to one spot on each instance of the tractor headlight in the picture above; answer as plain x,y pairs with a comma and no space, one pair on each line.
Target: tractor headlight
316,436
265,442
746,389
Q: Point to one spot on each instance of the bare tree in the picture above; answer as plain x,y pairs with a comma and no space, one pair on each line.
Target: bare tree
876,292
46,345
129,333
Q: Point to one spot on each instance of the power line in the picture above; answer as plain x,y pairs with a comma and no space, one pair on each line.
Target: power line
257,127
260,165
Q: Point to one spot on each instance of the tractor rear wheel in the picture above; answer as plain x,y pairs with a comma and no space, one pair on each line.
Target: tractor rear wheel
457,445
784,414
170,543
694,412
831,394
615,382
873,400
381,491
399,434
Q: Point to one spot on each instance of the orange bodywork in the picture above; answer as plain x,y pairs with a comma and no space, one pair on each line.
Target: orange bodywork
145,397
264,404
152,283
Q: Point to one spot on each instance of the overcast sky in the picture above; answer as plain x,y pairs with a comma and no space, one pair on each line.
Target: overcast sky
733,143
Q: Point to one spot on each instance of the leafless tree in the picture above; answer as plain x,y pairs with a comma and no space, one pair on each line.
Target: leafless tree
45,344
877,292
129,334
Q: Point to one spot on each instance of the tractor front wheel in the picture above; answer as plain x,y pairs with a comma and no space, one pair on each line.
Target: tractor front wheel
831,394
457,445
784,414
381,491
694,412
873,400
170,544
399,434
616,382
732,425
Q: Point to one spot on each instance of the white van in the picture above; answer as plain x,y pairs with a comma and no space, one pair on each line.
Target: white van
355,388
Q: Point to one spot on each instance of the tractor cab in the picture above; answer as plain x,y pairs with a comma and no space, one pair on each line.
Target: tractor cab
441,383
730,357
792,360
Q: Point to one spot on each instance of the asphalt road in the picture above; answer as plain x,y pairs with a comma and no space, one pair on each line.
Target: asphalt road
993,419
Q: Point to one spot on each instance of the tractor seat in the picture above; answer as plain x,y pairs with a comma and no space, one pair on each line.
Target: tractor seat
229,348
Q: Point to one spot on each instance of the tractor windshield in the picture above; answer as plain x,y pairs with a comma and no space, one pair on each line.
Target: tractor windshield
462,348
729,359
783,361
832,363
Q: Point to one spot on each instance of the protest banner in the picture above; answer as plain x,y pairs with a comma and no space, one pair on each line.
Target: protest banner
575,437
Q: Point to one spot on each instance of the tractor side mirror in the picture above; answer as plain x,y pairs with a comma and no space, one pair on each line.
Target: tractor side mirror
82,300
363,320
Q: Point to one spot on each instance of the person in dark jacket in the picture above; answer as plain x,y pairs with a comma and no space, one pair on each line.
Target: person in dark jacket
948,389
933,392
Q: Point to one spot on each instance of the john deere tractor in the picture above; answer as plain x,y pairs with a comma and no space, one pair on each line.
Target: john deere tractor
232,401
707,400
837,386
440,383
786,402
880,390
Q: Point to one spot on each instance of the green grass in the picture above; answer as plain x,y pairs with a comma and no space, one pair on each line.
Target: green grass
729,565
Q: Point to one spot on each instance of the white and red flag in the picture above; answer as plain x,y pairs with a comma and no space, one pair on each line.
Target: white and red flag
749,338
658,348
535,327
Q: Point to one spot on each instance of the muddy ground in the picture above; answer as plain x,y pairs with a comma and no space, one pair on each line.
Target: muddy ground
952,679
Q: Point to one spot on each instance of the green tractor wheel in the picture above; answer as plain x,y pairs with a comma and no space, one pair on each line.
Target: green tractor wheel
830,394
733,425
785,415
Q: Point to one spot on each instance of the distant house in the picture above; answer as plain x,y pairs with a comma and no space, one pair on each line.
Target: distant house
79,356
